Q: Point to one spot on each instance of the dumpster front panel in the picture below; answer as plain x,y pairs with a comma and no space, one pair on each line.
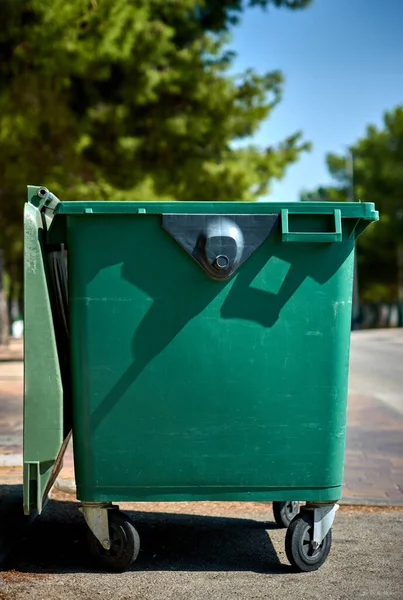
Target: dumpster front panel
188,387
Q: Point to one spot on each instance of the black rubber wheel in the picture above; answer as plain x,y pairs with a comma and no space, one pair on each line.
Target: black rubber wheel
125,544
284,512
298,544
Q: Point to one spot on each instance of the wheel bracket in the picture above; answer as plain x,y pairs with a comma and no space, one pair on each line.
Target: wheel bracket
96,517
323,517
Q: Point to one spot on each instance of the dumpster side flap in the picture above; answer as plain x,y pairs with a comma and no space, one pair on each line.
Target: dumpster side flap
43,388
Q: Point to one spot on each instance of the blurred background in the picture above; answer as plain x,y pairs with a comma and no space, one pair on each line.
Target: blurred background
289,100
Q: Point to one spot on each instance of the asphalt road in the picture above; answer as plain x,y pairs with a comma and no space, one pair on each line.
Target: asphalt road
376,365
207,550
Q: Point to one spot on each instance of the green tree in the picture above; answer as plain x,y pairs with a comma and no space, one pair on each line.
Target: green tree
109,99
378,177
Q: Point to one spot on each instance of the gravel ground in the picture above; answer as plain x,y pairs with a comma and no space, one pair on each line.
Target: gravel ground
206,551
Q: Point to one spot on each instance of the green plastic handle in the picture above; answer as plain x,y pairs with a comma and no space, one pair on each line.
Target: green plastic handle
312,236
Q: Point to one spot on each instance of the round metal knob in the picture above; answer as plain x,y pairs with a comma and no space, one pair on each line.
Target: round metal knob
221,262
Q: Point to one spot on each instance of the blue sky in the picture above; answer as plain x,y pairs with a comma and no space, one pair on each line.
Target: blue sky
343,65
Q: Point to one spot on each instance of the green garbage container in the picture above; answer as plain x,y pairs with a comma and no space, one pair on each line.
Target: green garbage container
197,350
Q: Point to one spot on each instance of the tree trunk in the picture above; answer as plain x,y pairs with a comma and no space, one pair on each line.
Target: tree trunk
400,270
4,324
356,321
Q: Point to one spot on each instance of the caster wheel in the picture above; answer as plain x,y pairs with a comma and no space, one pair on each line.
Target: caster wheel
284,512
298,544
125,544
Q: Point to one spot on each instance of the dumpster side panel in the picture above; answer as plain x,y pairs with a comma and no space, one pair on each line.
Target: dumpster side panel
43,392
186,387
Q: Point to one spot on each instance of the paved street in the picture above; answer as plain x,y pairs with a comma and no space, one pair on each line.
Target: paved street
374,453
376,366
201,551
11,403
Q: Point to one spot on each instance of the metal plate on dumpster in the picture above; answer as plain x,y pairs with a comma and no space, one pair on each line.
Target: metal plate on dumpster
220,243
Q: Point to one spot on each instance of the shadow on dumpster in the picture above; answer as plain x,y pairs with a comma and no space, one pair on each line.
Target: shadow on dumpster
174,305
250,303
170,310
261,306
56,543
159,327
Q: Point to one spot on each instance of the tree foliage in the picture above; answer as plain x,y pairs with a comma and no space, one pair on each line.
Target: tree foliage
378,177
109,99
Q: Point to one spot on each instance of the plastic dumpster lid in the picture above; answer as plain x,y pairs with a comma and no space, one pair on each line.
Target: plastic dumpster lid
355,210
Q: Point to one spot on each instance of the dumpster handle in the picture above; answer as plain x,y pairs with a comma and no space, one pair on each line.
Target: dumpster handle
312,236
